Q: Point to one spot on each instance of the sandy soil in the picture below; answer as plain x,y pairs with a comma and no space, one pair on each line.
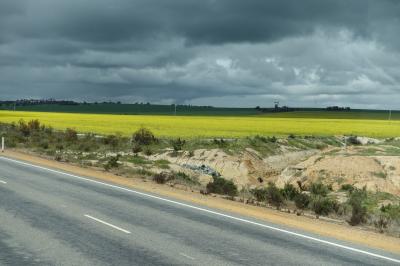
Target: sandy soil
342,232
377,173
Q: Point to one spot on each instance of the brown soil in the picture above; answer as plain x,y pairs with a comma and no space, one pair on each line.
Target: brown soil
338,231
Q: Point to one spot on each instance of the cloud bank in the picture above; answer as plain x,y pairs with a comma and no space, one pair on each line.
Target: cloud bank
211,52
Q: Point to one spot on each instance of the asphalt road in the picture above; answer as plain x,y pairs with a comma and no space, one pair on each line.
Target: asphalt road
51,218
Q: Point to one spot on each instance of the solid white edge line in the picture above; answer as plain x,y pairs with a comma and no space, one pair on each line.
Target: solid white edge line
210,211
186,256
3,182
108,224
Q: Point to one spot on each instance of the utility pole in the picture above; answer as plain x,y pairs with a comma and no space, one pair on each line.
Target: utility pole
175,110
390,115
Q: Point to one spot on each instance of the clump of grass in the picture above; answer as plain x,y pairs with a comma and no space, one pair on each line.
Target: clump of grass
380,174
137,159
163,164
220,185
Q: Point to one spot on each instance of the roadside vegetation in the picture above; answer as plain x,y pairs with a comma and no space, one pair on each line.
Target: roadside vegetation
132,157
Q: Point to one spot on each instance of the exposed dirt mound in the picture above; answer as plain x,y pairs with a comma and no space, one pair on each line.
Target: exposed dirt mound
245,169
377,173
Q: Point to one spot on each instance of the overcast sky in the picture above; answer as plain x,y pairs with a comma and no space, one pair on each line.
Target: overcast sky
208,52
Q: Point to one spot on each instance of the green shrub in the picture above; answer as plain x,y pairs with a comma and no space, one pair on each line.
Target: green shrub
112,162
322,205
59,146
358,210
221,143
382,223
148,151
161,178
184,177
347,187
144,136
34,125
274,196
163,164
302,201
23,128
136,159
260,194
289,191
44,144
136,148
71,135
111,140
220,185
392,210
178,144
319,189
86,147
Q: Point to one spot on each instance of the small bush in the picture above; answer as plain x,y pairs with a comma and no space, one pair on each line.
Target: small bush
260,194
163,164
274,196
143,136
58,157
272,139
221,143
289,191
161,178
382,223
111,140
302,201
112,162
148,152
23,128
85,147
358,211
222,186
34,125
178,144
322,205
347,187
136,159
44,144
59,146
136,148
184,177
391,210
319,189
71,135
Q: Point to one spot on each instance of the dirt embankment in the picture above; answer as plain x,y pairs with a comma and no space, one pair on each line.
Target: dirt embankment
247,168
376,173
338,231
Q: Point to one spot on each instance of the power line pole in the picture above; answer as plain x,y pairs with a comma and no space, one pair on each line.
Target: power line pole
175,110
390,115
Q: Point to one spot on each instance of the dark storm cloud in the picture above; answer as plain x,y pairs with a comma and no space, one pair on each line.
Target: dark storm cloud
227,52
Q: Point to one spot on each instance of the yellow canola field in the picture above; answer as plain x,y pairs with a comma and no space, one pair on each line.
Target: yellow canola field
207,126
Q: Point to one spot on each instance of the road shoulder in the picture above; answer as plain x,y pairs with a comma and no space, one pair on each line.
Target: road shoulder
323,228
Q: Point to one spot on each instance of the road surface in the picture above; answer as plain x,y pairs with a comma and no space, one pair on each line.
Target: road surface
53,218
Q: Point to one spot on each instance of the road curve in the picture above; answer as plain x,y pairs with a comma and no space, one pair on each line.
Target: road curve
52,218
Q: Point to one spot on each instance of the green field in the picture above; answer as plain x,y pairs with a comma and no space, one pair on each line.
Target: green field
134,109
209,126
361,114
